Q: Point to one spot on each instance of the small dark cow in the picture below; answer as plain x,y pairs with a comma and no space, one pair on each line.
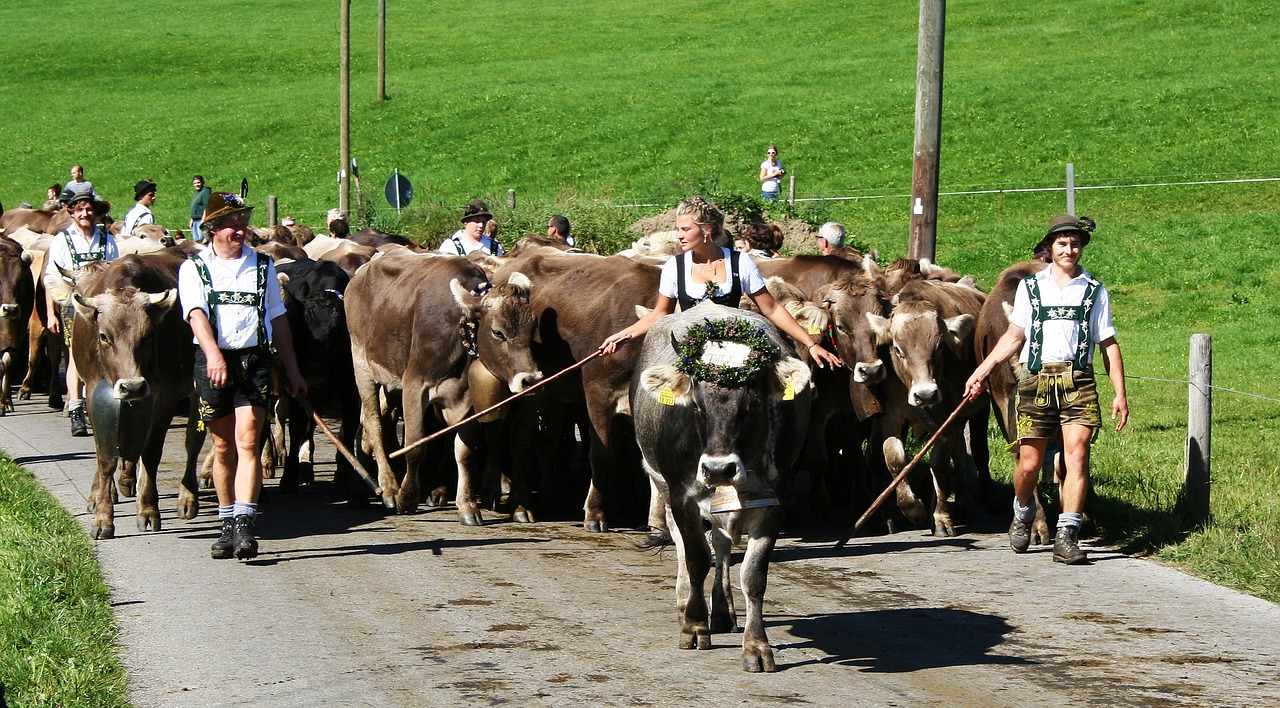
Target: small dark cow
712,443
135,355
17,300
313,294
404,312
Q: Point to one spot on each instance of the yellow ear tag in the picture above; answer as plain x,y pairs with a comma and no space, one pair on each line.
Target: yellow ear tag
813,329
666,396
789,393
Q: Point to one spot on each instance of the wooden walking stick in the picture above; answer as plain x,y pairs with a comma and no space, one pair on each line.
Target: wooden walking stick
497,405
905,471
355,464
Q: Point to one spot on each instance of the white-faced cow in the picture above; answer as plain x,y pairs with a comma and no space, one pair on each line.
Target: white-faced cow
720,404
407,315
135,355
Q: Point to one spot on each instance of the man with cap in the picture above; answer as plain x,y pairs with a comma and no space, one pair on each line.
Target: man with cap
199,201
231,299
144,195
81,243
471,236
558,227
1059,315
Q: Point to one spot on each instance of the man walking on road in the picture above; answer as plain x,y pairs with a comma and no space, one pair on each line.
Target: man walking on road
231,299
199,201
1059,314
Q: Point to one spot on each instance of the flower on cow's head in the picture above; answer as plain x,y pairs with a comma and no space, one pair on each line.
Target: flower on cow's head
754,338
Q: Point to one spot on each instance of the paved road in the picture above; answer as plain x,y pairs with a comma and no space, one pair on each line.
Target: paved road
356,608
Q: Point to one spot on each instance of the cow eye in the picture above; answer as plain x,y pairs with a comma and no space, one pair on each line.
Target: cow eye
102,337
498,335
840,328
897,351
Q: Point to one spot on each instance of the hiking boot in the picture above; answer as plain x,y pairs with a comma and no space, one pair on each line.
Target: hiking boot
246,545
1066,547
1019,535
223,547
79,421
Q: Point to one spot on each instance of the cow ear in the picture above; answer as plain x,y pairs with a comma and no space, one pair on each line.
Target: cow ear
790,372
468,301
641,311
521,283
27,256
880,325
86,307
282,277
1008,309
824,296
870,262
658,380
958,329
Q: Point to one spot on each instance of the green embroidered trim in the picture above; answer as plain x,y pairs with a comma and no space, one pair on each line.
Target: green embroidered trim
1042,313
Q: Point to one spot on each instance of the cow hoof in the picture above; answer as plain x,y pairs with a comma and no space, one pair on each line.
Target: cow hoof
438,497
389,503
1040,533
596,526
523,516
188,508
24,394
148,521
102,532
944,528
756,660
471,519
695,638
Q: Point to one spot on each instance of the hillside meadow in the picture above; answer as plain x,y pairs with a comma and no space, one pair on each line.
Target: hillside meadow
591,108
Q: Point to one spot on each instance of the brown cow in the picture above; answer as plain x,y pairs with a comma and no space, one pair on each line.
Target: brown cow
405,313
136,357
33,219
579,300
17,302
930,334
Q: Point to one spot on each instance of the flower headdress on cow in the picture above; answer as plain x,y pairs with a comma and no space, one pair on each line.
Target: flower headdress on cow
1067,223
728,352
222,205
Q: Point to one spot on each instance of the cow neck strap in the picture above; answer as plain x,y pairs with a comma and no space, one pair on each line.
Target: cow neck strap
1041,313
78,259
729,299
235,297
469,327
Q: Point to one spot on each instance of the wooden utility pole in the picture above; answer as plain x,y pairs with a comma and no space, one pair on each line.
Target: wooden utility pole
924,174
344,107
1199,428
382,50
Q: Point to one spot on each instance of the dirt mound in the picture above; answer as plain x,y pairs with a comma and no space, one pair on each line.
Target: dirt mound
798,236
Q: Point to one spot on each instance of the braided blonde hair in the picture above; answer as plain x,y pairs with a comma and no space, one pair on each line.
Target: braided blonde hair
704,213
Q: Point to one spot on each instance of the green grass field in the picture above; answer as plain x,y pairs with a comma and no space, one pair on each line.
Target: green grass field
582,107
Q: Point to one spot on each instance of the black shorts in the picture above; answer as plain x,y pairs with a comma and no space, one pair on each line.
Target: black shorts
249,382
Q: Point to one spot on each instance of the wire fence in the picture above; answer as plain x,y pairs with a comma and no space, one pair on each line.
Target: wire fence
1201,387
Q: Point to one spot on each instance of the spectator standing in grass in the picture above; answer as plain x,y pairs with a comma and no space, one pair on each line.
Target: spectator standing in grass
1059,315
51,197
199,201
144,195
771,172
231,299
78,184
471,236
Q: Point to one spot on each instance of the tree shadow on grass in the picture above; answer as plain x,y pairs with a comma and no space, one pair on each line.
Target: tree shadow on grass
904,640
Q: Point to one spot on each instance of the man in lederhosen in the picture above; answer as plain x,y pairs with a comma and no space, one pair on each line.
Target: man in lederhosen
1059,314
231,298
84,241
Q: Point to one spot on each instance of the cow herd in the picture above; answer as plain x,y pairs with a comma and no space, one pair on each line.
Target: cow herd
401,343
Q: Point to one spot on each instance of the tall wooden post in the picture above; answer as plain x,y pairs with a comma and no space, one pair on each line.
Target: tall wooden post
382,50
924,175
344,107
1199,428
1071,188
272,210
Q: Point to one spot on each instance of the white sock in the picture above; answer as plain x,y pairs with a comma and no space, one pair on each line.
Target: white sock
1070,519
225,512
246,509
1024,513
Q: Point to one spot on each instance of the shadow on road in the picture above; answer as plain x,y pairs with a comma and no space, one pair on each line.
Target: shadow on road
904,640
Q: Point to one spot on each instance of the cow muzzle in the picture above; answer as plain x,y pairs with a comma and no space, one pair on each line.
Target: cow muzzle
524,380
924,395
718,470
131,389
869,373
10,311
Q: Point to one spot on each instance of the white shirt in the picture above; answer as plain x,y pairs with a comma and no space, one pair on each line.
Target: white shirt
773,184
488,244
237,326
139,214
60,257
1060,335
748,275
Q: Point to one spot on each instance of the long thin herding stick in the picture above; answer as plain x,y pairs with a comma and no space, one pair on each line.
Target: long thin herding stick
364,474
497,405
903,474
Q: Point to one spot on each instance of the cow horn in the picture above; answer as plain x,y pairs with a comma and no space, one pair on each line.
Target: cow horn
165,298
675,343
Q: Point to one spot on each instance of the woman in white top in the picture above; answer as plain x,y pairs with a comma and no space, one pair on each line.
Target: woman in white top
771,172
708,271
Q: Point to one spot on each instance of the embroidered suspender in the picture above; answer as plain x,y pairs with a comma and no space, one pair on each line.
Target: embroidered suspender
79,259
1040,314
729,299
234,297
